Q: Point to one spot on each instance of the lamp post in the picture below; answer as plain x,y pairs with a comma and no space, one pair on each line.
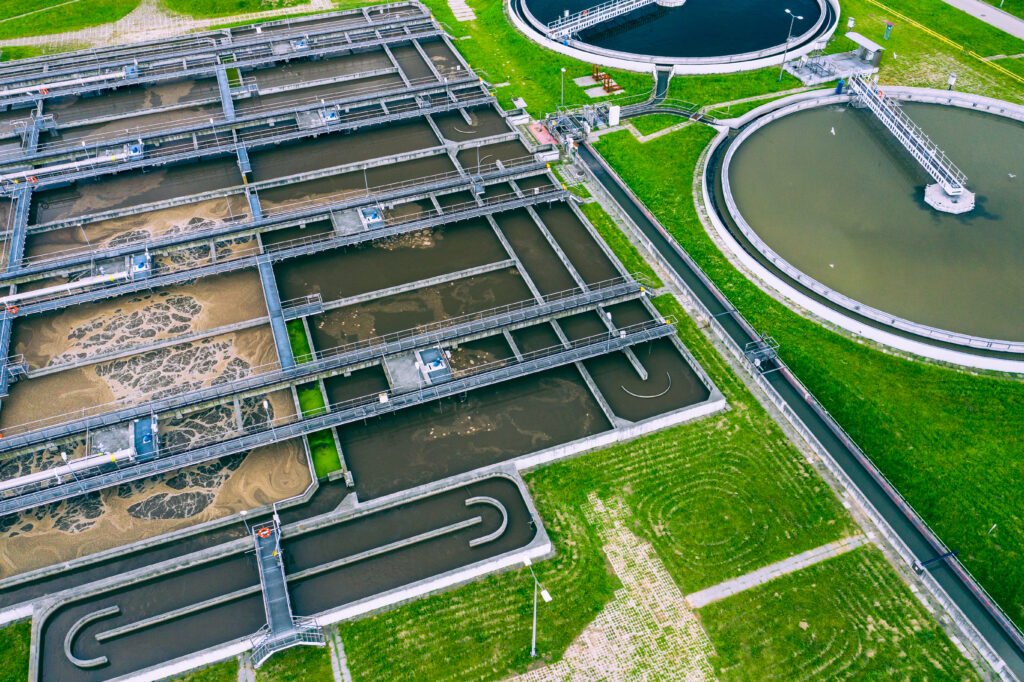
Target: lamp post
246,523
563,87
789,36
545,595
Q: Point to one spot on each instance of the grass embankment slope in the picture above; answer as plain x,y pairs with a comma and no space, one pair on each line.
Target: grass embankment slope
24,18
945,438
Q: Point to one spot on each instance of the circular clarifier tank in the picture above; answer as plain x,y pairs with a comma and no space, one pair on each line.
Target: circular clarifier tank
834,196
671,31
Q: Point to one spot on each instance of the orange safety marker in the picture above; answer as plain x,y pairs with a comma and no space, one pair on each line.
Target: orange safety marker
264,532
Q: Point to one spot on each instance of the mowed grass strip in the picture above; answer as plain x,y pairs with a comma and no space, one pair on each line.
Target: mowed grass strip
619,243
482,631
225,671
203,9
713,89
14,643
847,617
58,16
944,437
652,123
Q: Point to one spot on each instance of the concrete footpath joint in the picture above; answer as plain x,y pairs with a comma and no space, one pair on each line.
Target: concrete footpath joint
772,571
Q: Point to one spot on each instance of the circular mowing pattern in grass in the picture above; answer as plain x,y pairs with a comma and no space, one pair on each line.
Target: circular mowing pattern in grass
847,617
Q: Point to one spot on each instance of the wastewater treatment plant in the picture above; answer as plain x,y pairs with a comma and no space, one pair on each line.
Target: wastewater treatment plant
527,340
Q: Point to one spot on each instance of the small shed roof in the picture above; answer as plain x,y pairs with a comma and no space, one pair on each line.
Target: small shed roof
864,42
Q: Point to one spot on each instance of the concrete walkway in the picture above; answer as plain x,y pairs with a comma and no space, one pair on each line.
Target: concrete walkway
149,21
772,571
991,15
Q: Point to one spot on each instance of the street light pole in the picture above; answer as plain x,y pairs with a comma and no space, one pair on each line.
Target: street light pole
563,87
789,36
545,595
533,641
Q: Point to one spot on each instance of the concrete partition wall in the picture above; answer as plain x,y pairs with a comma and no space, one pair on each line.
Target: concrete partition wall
539,547
844,312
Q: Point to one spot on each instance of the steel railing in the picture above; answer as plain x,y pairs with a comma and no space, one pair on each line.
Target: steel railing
70,424
88,479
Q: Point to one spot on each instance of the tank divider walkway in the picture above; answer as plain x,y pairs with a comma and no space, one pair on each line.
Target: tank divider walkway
330,360
167,53
300,247
283,629
277,325
16,244
385,402
279,217
80,79
136,155
154,136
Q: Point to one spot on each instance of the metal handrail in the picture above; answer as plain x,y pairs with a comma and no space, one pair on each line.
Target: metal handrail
268,372
911,136
295,208
184,149
199,123
381,402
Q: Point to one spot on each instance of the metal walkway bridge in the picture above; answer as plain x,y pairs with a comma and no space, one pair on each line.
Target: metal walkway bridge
21,498
934,161
283,629
328,360
567,26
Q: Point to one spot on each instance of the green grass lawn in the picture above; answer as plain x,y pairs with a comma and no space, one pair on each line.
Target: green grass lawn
843,618
203,9
226,671
299,341
1015,65
945,438
619,243
298,664
14,643
737,110
717,88
652,123
58,15
915,58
